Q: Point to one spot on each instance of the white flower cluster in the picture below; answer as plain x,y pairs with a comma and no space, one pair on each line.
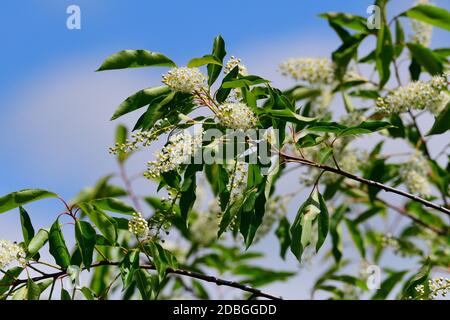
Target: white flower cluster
184,79
316,71
236,115
429,95
236,180
138,225
205,227
10,252
142,138
414,173
422,30
179,149
439,286
232,63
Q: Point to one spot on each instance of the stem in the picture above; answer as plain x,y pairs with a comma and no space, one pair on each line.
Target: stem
379,185
129,187
191,274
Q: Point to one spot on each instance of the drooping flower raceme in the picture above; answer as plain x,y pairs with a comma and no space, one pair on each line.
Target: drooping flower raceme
179,149
414,173
232,63
236,115
421,95
316,71
138,225
184,79
10,252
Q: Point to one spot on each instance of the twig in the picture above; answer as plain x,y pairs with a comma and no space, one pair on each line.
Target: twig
379,185
191,274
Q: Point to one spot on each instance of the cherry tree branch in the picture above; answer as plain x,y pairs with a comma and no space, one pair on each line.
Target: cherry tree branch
429,204
187,273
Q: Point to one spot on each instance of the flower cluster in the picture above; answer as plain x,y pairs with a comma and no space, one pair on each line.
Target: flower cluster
10,252
232,63
414,173
179,149
142,138
205,227
236,115
138,225
422,30
184,79
276,208
420,95
439,286
236,181
316,71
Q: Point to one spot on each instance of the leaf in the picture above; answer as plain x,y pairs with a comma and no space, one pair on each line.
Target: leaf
426,58
19,198
388,284
420,278
354,22
346,52
356,237
65,295
206,59
399,38
128,266
88,293
58,248
289,115
222,93
336,218
104,223
284,237
121,138
322,223
33,290
143,283
10,276
301,229
246,81
85,236
139,100
113,205
27,227
220,53
38,241
441,124
162,259
433,15
188,196
384,53
135,59
365,127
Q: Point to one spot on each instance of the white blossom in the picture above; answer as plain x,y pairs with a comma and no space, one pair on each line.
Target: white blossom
184,79
414,175
10,252
236,115
318,71
232,63
429,95
422,31
138,225
179,149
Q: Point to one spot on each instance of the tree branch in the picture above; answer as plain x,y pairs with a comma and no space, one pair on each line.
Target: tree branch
379,185
191,274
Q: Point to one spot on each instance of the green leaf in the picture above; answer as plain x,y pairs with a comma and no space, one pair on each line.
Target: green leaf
433,15
33,290
206,59
27,227
388,284
20,198
65,295
323,223
356,237
220,53
420,278
188,196
113,205
143,283
346,52
289,115
354,22
10,276
140,99
135,59
429,60
441,124
128,266
384,53
301,229
88,293
85,236
104,223
284,237
222,93
58,248
246,81
38,241
365,127
399,38
121,138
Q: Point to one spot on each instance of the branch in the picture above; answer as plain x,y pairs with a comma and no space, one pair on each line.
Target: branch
379,185
191,274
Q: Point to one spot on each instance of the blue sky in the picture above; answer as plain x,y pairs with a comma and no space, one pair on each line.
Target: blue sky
54,108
